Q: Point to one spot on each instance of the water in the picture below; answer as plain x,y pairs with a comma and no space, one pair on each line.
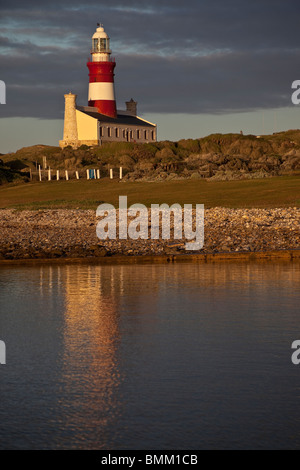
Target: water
183,356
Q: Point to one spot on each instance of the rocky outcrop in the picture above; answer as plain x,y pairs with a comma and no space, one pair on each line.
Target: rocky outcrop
218,156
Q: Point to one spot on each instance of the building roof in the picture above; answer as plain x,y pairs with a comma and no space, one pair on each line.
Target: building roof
124,119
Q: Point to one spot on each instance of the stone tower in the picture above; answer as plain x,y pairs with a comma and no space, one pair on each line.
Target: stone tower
70,123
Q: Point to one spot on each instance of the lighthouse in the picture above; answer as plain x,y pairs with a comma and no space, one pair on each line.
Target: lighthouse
100,122
101,75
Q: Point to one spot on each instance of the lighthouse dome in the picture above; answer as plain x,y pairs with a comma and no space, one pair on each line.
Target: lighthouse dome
100,33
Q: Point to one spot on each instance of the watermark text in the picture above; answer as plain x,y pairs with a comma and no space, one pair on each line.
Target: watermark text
2,352
296,93
296,354
2,92
136,222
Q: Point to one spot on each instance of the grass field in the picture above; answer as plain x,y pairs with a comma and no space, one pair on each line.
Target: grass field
283,191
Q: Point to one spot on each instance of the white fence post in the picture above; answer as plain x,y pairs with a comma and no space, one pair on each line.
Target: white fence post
67,175
121,172
111,173
57,175
98,174
40,173
49,174
87,174
77,175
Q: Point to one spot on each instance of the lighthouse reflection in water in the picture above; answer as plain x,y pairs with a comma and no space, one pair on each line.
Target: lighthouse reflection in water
186,356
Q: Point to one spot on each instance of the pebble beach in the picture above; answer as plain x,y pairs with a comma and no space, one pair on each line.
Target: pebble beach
67,234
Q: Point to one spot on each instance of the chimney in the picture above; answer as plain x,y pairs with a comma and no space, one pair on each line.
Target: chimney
131,107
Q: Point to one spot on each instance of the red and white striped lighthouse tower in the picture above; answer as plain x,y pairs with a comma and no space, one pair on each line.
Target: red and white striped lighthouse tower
101,75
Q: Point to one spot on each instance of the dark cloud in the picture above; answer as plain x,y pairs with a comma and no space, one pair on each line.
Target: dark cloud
172,56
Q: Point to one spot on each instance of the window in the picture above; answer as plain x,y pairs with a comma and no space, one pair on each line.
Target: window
102,45
153,135
146,135
138,134
95,45
101,131
117,132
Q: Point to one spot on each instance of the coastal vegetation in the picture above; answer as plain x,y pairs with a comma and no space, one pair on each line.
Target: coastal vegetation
218,157
229,170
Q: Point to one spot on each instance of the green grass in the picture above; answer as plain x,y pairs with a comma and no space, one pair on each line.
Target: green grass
281,191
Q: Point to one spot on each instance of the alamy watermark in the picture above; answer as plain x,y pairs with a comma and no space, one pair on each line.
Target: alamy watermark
296,93
2,352
2,92
296,354
136,222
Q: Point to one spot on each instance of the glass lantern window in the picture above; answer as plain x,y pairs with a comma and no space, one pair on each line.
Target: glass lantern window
95,45
102,44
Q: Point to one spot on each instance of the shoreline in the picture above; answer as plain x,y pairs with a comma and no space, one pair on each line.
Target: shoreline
69,235
267,256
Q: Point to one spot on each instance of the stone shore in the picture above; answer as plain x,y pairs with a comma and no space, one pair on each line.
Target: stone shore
65,233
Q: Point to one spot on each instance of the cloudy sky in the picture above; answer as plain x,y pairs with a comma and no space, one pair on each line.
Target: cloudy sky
194,66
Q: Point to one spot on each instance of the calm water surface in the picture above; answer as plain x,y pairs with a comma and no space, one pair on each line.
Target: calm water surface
184,356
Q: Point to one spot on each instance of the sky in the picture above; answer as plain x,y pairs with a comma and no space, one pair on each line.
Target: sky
195,67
